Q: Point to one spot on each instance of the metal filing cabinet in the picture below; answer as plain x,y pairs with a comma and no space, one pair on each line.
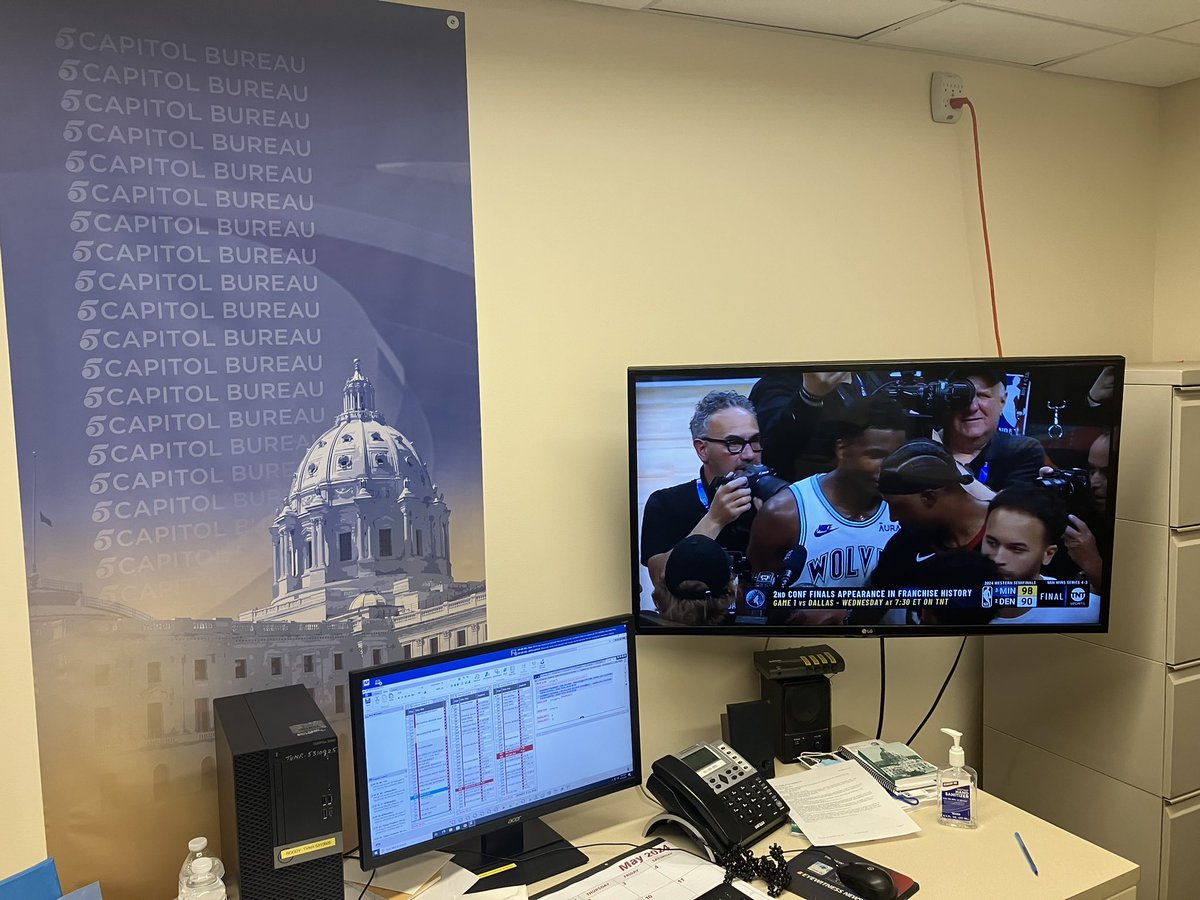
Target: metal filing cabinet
1100,734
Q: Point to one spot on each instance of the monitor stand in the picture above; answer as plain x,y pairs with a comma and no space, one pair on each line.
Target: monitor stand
516,854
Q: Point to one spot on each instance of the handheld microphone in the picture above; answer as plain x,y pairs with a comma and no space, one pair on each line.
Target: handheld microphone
793,566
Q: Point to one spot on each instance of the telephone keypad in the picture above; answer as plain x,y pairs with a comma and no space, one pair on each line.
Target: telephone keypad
753,800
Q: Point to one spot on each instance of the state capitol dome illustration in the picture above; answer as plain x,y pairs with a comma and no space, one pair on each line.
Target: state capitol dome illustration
363,526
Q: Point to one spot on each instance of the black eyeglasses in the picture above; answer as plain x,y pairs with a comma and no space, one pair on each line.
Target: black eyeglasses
735,445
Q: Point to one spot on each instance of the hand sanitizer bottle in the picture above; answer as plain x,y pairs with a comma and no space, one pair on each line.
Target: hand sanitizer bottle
957,788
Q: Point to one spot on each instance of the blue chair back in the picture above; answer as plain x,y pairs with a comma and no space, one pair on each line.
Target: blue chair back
38,882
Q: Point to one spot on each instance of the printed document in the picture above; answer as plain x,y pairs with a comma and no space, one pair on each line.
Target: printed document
842,804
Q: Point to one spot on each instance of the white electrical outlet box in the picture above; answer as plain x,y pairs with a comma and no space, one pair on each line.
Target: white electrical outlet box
944,87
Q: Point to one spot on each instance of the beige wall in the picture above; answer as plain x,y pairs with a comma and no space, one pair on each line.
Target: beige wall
22,834
655,190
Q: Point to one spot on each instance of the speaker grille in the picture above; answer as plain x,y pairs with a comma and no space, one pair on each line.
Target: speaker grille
805,707
258,879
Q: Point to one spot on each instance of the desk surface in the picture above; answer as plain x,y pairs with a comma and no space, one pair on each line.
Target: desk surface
949,863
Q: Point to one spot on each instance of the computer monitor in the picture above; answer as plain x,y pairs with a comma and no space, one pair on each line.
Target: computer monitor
465,749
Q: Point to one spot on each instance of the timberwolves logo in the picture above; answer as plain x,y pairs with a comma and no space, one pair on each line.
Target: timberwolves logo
756,599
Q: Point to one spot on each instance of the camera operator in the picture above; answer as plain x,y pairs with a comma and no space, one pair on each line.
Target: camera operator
725,436
1089,545
996,458
1021,536
698,587
1098,462
840,513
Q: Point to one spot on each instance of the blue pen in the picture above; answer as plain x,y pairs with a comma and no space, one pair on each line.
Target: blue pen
1025,850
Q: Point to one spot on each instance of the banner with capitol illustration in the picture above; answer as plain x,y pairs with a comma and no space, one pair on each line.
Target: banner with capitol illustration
239,279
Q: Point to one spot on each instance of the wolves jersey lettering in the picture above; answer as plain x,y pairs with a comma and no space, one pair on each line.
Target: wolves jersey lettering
841,552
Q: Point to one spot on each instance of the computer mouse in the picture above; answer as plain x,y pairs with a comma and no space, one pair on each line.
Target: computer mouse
868,881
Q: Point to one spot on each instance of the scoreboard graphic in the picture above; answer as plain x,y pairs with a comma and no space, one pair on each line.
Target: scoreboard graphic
1032,594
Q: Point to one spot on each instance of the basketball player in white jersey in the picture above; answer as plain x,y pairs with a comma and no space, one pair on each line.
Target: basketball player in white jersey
838,517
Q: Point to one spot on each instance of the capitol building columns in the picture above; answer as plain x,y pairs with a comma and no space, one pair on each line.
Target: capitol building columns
363,514
320,545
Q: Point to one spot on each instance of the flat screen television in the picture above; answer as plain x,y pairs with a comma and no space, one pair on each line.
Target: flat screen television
899,497
463,750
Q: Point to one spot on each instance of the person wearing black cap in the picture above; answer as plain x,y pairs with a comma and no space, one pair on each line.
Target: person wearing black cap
941,523
698,587
725,437
996,458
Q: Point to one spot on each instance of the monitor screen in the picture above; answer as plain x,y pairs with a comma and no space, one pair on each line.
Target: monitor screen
909,497
480,741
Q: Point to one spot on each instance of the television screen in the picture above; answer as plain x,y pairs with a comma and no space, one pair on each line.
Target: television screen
874,498
465,749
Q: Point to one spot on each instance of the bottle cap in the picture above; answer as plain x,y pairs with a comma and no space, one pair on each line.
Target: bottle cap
202,865
196,844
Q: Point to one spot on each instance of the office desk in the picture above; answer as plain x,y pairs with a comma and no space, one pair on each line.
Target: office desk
949,863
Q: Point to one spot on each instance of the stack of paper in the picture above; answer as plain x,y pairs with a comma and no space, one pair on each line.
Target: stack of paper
842,804
431,876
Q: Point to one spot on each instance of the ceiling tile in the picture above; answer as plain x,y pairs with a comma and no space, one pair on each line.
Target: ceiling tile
840,17
1143,60
1189,32
994,34
1142,17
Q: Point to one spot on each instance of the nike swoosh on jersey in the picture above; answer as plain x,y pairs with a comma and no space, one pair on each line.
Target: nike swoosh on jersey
823,530
925,557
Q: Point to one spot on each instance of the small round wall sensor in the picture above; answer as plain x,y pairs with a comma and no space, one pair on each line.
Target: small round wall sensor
452,21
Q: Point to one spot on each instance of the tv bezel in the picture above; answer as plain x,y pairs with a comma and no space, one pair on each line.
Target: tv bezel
637,375
525,814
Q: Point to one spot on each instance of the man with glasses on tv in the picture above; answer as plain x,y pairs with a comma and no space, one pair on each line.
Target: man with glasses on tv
725,437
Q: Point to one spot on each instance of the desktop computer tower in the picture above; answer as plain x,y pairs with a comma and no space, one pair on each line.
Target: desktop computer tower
279,797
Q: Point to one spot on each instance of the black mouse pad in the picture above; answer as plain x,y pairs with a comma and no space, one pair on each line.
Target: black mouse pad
814,875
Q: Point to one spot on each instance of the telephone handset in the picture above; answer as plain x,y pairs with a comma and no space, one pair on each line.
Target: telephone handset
724,799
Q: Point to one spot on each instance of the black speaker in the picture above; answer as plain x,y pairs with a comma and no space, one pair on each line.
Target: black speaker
800,715
746,727
279,798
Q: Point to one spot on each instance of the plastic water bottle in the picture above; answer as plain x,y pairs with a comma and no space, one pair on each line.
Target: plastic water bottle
197,848
202,883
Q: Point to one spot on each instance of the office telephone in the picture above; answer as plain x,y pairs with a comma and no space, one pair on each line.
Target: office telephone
723,799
